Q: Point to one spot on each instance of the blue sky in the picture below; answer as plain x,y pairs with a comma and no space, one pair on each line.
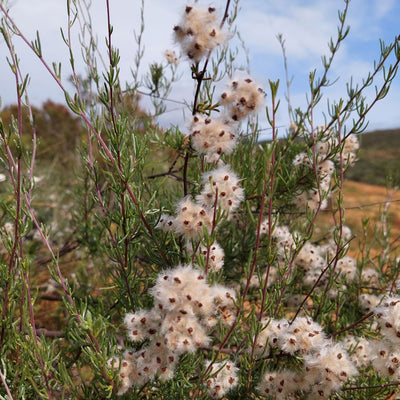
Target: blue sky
306,26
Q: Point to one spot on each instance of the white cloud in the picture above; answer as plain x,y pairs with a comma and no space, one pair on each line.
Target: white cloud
384,7
369,18
306,29
306,25
125,18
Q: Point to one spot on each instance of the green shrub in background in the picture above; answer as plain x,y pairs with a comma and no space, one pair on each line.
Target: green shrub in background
192,264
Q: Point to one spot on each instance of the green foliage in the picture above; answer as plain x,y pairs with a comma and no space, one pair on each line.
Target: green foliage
87,252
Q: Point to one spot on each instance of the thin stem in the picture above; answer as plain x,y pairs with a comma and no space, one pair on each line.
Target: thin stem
213,227
3,379
341,215
35,337
334,260
353,325
334,47
270,176
124,257
288,81
386,385
17,256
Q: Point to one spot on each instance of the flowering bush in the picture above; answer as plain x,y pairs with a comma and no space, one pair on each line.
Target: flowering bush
201,269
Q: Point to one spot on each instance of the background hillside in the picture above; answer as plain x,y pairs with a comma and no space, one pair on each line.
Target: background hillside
371,197
378,158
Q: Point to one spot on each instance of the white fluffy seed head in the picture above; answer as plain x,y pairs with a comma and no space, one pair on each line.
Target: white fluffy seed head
360,350
166,223
221,187
309,257
326,168
308,334
185,308
183,333
350,148
223,376
351,144
214,255
278,384
242,98
213,136
198,32
311,200
192,219
142,324
388,318
224,299
369,301
171,57
347,267
302,159
332,358
179,288
370,276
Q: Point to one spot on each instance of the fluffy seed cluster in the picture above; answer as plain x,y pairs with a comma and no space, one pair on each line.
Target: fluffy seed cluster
221,186
302,336
223,377
278,384
185,308
215,254
166,223
369,301
213,136
199,32
326,365
347,267
318,196
221,189
388,316
242,98
359,350
350,148
171,57
385,358
191,218
284,240
370,276
381,353
325,166
328,369
313,259
212,256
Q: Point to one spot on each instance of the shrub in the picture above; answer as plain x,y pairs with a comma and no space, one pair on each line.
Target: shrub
194,264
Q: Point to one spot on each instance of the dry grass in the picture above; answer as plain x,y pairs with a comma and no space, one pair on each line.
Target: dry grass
369,201
369,204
